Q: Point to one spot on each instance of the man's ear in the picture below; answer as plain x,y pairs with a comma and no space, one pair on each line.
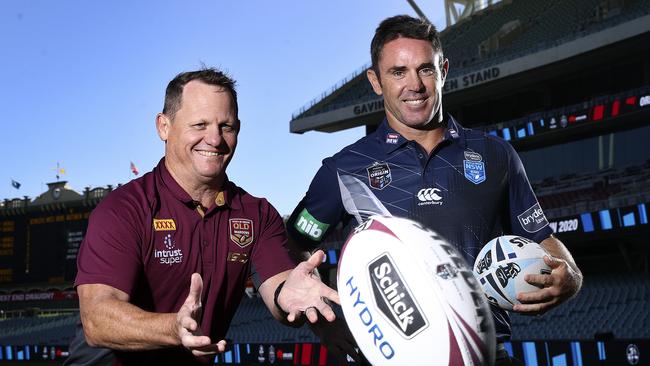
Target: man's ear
163,124
374,81
444,70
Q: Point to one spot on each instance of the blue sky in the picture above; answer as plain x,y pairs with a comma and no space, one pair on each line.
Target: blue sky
83,81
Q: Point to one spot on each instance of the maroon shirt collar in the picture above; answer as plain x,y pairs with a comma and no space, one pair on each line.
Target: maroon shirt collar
230,192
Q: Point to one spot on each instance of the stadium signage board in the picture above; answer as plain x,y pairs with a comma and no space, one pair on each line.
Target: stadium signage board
471,79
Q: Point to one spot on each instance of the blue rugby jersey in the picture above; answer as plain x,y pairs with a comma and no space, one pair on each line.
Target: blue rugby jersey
471,189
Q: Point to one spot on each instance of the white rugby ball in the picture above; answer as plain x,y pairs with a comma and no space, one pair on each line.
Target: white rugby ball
409,298
502,264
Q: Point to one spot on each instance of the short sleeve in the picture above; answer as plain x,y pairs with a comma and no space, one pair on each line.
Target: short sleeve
320,210
527,218
110,251
270,255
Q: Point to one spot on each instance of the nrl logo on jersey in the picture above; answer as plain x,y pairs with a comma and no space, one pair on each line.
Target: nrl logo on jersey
241,231
379,175
392,138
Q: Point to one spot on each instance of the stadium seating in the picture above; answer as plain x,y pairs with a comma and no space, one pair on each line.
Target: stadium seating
253,323
542,25
614,305
610,188
38,330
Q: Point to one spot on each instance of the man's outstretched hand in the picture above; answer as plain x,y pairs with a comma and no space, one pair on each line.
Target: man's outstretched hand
187,323
303,292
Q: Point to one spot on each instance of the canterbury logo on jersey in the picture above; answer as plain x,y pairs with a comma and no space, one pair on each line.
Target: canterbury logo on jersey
429,196
164,225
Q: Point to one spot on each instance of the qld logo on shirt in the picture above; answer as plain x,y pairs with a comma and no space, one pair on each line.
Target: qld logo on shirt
241,231
379,175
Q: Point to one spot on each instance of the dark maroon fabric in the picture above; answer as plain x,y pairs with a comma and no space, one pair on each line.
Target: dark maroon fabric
124,248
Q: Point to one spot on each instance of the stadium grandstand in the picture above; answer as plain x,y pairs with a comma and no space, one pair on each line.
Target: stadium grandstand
567,82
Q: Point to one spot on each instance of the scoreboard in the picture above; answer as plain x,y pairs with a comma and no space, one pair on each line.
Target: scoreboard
40,246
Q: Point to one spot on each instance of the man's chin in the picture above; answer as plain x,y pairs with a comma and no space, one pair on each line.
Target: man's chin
210,173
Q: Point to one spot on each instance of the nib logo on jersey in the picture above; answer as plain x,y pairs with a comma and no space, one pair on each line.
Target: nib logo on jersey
533,219
307,225
429,196
394,299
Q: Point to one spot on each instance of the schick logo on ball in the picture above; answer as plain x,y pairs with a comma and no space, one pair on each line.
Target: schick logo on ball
393,297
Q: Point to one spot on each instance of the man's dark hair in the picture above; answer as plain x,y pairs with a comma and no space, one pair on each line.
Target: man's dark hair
402,26
210,76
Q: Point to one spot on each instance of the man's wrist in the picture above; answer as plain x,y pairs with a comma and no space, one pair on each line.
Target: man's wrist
275,300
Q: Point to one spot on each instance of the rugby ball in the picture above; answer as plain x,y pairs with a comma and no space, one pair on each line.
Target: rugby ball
502,264
409,298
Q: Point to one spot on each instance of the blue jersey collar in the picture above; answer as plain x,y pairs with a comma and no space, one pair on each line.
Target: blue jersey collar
391,140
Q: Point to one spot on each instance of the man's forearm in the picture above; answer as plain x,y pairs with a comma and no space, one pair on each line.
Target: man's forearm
119,325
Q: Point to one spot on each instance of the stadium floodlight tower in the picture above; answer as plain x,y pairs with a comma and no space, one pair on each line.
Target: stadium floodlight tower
456,10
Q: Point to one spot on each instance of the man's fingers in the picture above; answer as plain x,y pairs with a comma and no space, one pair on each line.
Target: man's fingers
540,281
330,294
189,323
552,261
210,349
312,314
315,260
196,288
191,341
531,309
293,315
532,296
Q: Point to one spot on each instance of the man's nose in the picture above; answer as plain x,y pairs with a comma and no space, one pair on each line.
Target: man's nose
213,135
414,82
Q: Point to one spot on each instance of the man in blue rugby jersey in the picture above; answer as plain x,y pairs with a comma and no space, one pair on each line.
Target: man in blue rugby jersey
422,164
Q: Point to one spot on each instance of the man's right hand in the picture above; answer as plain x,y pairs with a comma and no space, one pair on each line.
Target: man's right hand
187,323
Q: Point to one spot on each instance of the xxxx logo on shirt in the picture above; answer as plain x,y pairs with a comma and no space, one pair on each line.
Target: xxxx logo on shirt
241,231
164,225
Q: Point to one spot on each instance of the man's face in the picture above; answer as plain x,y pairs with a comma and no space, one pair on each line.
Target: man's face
201,139
410,79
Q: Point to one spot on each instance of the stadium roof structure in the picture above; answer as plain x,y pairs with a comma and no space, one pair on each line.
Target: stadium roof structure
496,48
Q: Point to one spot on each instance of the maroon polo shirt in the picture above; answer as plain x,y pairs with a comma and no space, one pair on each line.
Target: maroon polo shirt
146,238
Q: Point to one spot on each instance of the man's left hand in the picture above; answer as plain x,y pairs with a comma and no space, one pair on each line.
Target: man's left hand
555,288
303,292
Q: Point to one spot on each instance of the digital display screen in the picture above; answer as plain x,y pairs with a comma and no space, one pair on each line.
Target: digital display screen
41,247
603,220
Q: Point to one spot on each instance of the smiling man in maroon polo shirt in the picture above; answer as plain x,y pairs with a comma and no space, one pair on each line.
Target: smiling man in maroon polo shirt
165,259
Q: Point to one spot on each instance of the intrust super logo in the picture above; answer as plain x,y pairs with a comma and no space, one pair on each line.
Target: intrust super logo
393,297
164,224
170,255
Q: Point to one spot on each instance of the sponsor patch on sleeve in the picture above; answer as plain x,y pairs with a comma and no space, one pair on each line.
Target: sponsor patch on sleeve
533,219
307,225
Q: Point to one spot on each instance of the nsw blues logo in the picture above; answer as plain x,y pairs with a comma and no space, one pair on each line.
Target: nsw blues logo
379,175
474,167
